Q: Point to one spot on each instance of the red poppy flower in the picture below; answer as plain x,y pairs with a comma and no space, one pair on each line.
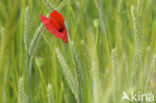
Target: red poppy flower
55,25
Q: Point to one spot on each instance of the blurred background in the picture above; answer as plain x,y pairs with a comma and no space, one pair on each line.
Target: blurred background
111,50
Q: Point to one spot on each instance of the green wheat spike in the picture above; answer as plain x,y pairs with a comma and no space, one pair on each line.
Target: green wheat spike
50,94
153,64
135,28
72,81
115,73
22,97
48,5
26,28
36,40
62,4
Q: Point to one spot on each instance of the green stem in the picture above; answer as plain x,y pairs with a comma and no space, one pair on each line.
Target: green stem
97,36
30,75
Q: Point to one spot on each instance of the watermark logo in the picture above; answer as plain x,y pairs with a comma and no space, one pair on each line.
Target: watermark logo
148,97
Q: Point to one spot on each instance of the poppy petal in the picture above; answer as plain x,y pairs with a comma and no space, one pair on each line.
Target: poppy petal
65,37
57,17
52,29
46,21
55,25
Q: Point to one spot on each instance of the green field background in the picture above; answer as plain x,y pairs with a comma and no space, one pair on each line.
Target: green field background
111,50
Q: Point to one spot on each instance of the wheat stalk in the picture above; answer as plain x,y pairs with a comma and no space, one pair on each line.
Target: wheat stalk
2,36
